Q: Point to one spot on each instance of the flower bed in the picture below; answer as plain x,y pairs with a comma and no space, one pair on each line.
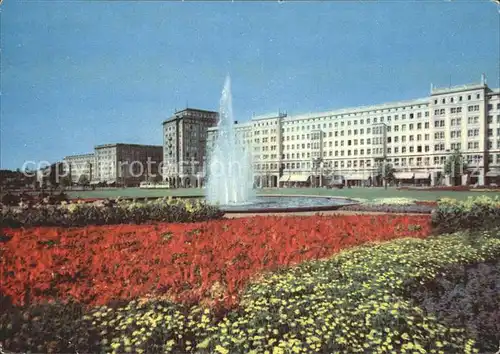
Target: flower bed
430,203
467,296
391,205
357,301
440,188
402,209
189,262
108,212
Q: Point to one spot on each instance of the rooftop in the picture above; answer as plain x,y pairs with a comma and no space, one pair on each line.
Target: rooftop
125,144
189,112
362,109
278,114
76,156
457,88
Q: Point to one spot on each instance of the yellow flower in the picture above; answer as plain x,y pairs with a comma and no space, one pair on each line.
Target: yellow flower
220,349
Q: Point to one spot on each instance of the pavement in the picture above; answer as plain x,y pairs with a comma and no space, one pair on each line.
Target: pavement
310,213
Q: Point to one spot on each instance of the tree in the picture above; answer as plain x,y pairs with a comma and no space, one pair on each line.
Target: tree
154,179
455,166
386,172
83,181
66,181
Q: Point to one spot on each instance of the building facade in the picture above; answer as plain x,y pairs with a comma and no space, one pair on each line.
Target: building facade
184,146
80,165
127,164
415,136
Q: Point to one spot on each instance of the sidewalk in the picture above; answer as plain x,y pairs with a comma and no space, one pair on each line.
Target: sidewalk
321,213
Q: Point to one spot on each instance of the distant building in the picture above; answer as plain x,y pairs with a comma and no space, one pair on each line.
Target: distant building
184,146
127,164
80,165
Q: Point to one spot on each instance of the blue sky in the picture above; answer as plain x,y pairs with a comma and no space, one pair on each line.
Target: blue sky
75,74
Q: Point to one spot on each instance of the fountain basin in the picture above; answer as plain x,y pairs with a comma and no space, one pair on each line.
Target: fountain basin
275,203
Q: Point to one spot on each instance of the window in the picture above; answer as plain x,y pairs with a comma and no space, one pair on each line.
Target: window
439,135
455,146
473,120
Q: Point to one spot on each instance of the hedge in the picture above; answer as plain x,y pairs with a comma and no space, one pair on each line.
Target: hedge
108,213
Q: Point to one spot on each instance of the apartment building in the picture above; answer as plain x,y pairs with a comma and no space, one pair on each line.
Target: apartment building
415,136
127,164
184,146
80,165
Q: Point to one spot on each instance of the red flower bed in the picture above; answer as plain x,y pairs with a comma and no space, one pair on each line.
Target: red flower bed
191,262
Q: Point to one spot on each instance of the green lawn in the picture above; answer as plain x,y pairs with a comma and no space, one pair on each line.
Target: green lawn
365,193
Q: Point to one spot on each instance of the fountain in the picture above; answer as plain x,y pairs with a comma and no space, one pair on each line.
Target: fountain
230,174
230,180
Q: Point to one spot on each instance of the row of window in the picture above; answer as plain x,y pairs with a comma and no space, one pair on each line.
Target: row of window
397,162
471,145
456,134
460,99
355,122
378,130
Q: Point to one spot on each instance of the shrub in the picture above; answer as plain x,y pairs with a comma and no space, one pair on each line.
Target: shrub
109,212
10,199
474,213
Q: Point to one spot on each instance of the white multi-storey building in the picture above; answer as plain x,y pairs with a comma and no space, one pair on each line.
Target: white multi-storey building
415,136
80,165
